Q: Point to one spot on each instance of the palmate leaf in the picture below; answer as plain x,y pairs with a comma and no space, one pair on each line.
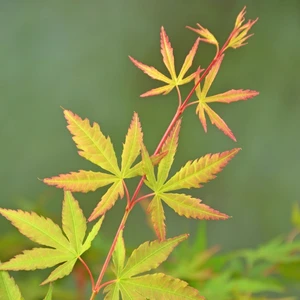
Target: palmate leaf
168,59
192,175
227,97
8,288
146,257
46,232
98,149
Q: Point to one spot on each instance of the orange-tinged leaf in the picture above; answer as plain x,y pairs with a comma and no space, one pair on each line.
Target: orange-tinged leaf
164,90
82,181
240,18
36,258
211,77
188,60
73,221
61,271
201,113
206,35
168,59
39,229
151,71
149,256
232,96
132,146
108,200
186,205
91,142
156,211
8,288
219,122
167,53
161,286
170,147
199,171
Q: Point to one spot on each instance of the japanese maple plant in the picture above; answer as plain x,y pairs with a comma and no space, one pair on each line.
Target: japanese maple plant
65,245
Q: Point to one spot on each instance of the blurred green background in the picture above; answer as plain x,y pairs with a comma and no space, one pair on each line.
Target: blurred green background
74,54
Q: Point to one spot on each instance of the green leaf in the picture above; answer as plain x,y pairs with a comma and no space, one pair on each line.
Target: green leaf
161,286
49,294
296,215
132,146
150,255
8,288
45,232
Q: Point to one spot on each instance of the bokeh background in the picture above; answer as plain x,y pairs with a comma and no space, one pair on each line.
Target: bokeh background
74,54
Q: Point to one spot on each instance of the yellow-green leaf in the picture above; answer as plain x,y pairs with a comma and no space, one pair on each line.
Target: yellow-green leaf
73,222
132,146
150,255
39,229
148,168
82,181
161,286
91,142
118,256
49,293
36,258
170,147
8,288
199,171
156,211
91,236
108,200
61,271
113,292
186,205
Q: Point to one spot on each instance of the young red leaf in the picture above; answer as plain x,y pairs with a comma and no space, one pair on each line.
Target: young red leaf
199,171
168,59
82,181
240,31
108,200
91,142
186,205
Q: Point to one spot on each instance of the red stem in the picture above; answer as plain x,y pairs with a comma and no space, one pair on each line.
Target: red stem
133,200
89,271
